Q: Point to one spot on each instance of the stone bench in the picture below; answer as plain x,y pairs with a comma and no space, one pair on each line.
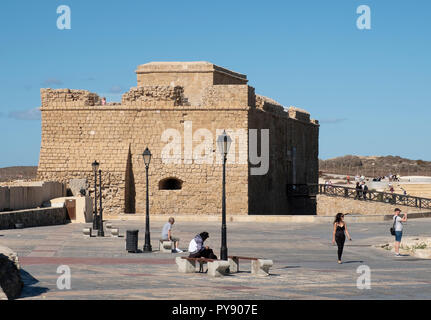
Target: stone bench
166,246
86,232
115,232
258,266
216,268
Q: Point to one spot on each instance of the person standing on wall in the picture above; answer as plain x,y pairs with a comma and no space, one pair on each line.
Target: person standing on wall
358,191
339,234
398,226
364,190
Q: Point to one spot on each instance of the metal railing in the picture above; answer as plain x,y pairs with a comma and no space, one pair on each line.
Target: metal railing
307,190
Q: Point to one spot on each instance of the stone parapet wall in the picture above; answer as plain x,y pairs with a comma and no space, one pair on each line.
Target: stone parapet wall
29,195
154,96
33,217
327,205
266,104
68,97
113,185
298,114
228,95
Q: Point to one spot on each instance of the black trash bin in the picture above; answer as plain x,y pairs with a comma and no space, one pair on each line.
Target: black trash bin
132,241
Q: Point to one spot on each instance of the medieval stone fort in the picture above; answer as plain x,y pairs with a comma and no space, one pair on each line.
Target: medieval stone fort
189,98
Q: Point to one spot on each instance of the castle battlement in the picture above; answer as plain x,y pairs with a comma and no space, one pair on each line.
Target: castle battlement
183,85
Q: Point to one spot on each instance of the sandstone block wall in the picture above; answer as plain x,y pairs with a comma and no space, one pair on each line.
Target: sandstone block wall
117,139
193,76
33,217
293,159
68,97
186,98
228,95
154,95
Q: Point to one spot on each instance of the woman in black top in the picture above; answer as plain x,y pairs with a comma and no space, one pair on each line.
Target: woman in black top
338,235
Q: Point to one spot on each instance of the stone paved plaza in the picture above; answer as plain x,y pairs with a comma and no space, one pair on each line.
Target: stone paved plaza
305,263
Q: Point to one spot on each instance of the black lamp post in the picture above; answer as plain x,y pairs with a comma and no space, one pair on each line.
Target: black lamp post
95,166
100,232
147,245
223,144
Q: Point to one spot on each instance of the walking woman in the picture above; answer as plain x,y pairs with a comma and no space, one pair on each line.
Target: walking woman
338,234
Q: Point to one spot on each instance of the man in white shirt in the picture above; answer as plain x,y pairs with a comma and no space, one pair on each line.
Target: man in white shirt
167,234
398,221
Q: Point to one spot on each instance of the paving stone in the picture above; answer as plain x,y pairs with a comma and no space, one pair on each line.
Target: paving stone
304,263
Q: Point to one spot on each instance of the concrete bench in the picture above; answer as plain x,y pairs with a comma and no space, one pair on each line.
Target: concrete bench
115,232
166,246
216,268
258,266
86,232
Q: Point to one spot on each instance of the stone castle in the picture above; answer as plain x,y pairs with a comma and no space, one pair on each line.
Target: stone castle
196,100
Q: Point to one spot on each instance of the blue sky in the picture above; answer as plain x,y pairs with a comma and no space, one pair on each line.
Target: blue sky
370,89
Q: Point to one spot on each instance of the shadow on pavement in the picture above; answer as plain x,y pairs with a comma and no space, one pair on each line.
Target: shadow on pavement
29,290
359,261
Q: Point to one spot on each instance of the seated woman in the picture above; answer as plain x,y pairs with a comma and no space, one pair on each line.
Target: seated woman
197,248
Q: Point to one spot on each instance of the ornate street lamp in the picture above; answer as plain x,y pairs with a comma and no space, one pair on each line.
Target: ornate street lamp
147,245
95,166
100,232
223,144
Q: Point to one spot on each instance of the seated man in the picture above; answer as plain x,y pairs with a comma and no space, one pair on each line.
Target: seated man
167,234
197,248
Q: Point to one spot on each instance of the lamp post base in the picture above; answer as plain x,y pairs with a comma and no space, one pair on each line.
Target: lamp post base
147,248
223,254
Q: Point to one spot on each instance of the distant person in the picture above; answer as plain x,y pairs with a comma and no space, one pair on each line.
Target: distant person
364,190
197,248
358,191
348,179
167,234
398,226
339,234
103,101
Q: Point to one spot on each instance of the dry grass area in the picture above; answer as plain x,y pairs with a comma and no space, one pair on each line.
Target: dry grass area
376,166
18,173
